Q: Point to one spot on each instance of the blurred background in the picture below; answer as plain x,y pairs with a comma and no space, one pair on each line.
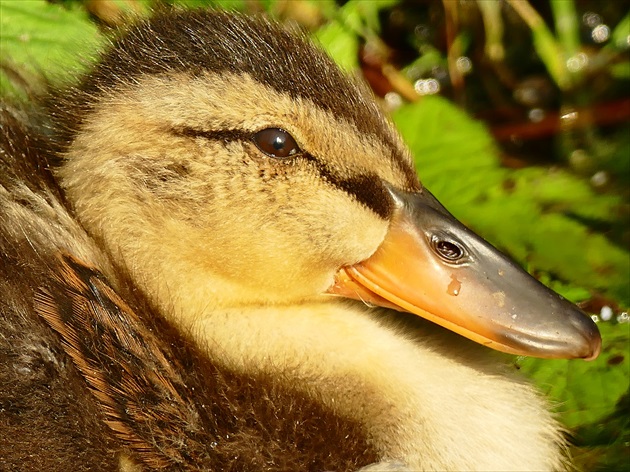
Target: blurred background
517,113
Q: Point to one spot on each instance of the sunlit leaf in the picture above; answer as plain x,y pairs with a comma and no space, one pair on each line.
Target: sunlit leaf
45,39
586,392
341,43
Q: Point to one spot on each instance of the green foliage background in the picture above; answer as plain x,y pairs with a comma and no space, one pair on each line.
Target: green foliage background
542,217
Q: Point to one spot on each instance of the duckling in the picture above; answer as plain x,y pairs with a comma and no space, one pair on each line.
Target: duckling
225,253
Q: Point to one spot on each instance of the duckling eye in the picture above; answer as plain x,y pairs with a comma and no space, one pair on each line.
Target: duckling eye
450,251
276,142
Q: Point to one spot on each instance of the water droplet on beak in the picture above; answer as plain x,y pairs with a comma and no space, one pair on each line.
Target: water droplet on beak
454,287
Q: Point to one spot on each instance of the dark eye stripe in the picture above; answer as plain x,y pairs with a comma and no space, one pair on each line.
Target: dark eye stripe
225,135
366,188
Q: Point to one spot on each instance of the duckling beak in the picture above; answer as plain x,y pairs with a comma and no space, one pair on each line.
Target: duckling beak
433,266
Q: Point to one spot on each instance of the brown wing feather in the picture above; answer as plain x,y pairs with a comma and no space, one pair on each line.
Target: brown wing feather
174,408
118,357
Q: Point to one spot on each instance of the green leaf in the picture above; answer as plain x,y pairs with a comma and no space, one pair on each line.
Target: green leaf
586,392
455,155
43,39
341,43
621,70
560,191
620,34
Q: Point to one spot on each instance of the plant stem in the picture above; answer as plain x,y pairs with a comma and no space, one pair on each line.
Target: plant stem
567,26
545,43
493,24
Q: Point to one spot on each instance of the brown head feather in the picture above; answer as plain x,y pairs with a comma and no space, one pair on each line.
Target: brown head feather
200,41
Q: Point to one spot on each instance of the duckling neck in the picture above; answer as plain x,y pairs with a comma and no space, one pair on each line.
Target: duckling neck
427,398
416,404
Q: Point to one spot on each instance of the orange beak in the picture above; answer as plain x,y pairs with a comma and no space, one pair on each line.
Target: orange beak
431,265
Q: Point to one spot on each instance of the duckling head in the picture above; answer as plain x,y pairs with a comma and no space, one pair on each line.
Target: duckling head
224,162
214,148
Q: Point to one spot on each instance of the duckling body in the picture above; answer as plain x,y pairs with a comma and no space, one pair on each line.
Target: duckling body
212,181
101,388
